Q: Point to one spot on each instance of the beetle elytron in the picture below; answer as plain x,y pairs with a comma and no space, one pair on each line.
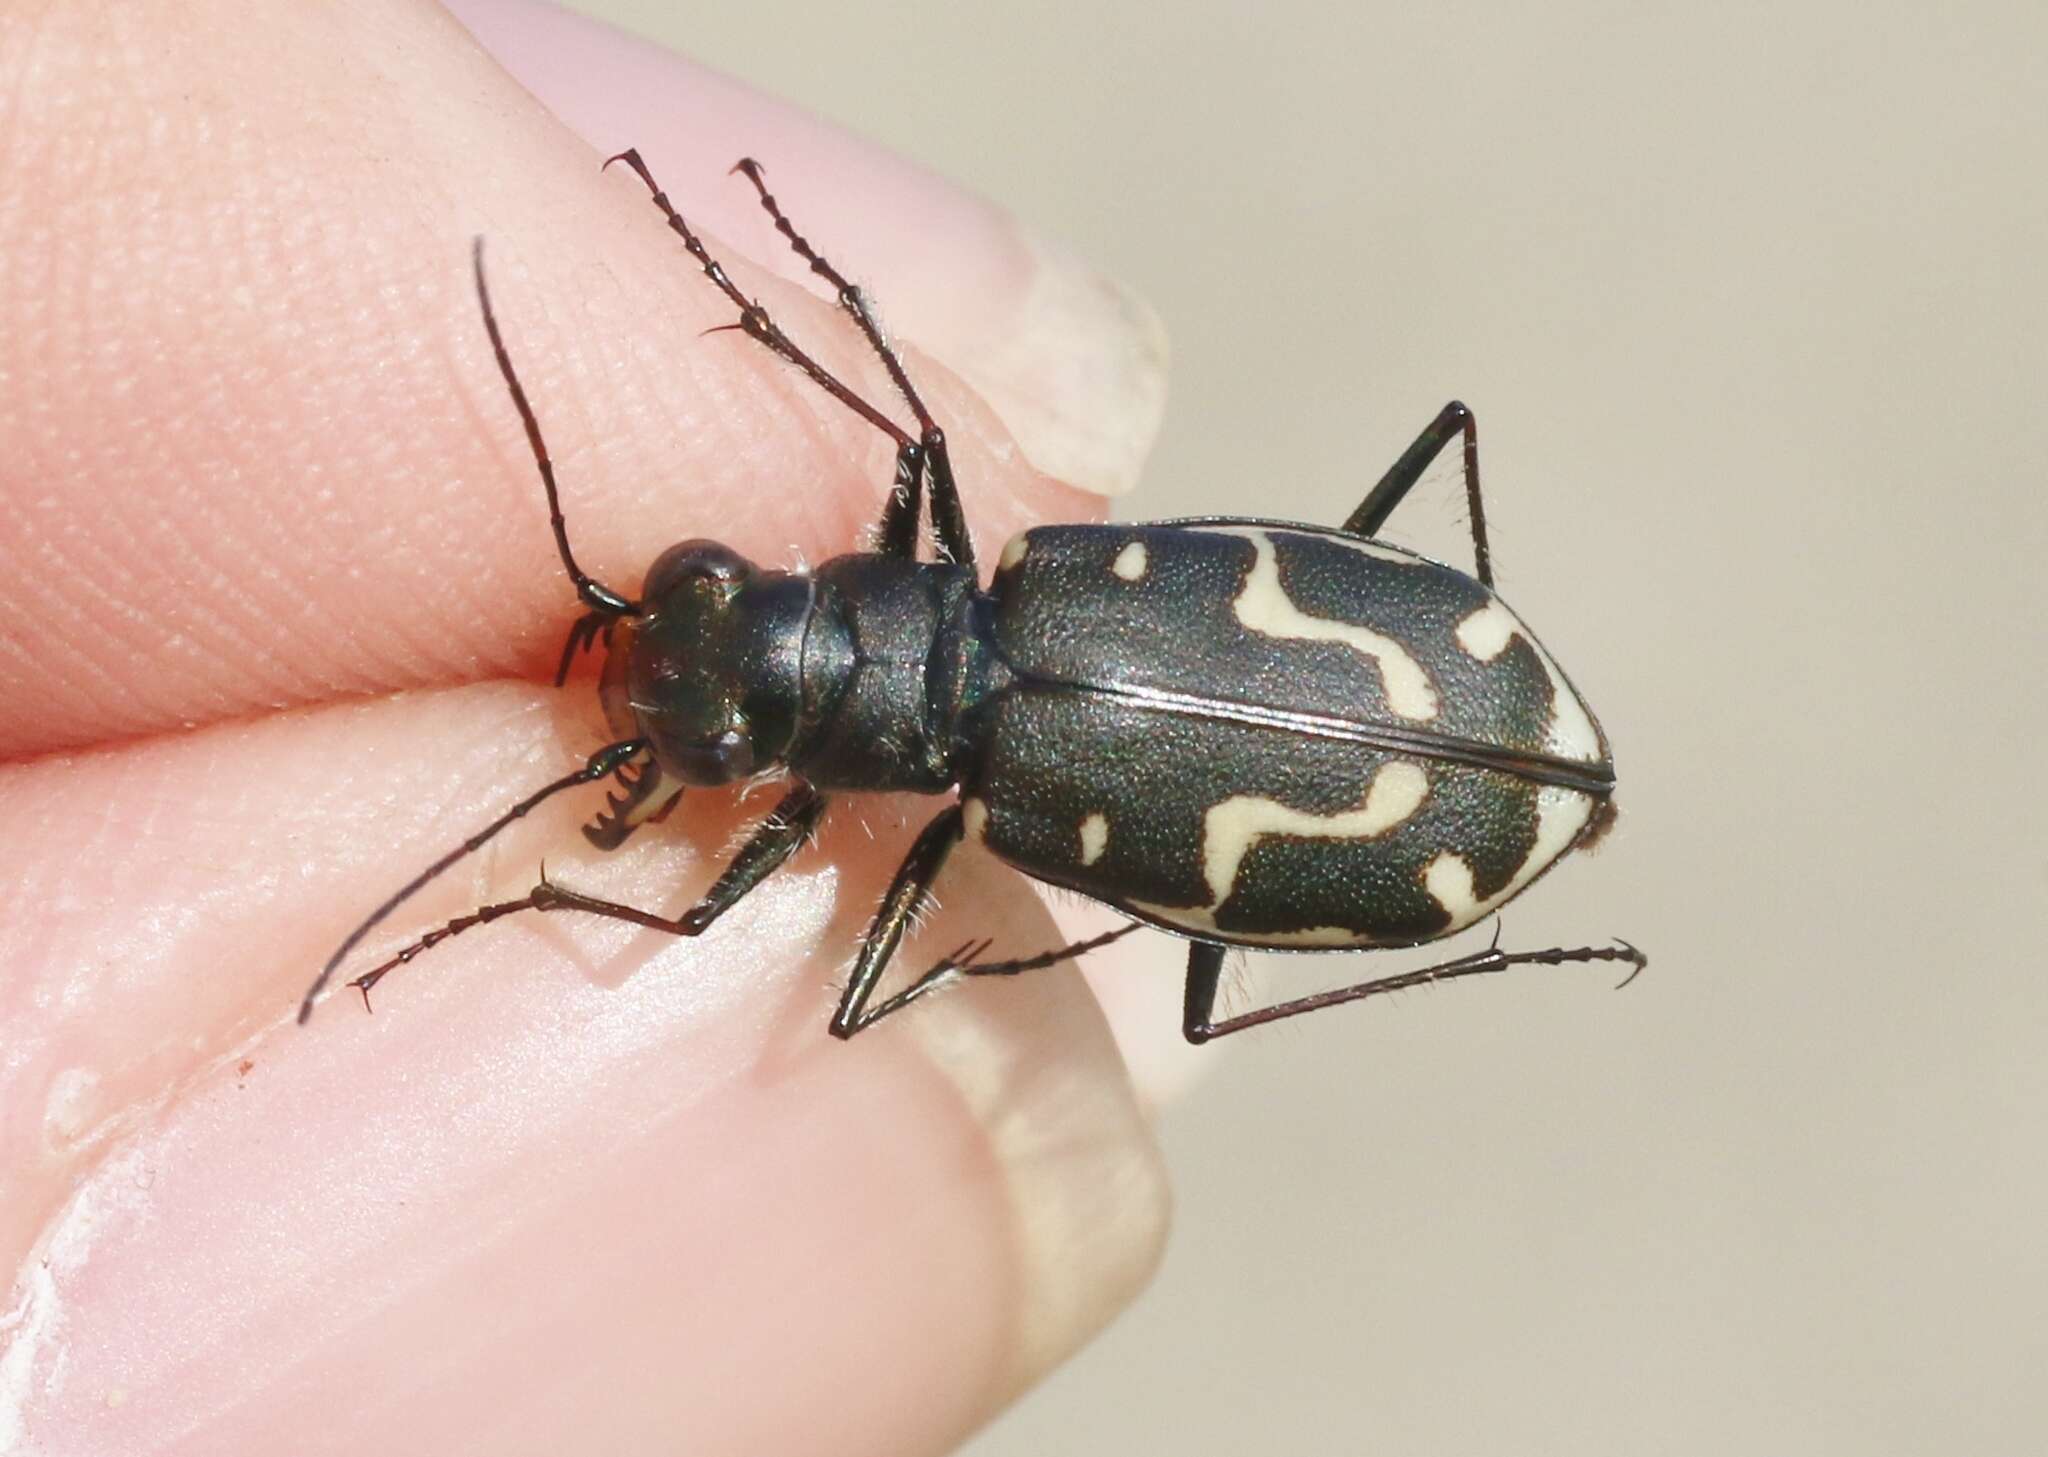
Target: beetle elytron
1244,732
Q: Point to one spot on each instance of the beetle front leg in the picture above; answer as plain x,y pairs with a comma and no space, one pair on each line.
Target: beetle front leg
1205,966
778,837
1453,420
907,892
755,322
896,536
949,525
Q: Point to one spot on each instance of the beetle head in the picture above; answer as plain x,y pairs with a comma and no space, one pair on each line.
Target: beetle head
710,672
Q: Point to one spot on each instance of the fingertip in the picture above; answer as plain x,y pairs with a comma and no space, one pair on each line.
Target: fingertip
652,1140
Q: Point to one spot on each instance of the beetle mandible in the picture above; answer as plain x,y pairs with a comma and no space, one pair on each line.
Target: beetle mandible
1244,732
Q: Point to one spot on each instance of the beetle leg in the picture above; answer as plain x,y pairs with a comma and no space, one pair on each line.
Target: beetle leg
1453,420
1205,963
481,916
907,892
911,452
1205,970
961,962
779,836
786,830
948,523
896,536
602,764
547,896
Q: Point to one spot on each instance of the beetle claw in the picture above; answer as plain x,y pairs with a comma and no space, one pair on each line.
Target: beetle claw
1635,958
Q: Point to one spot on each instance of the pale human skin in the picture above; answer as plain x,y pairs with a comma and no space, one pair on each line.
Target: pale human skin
277,604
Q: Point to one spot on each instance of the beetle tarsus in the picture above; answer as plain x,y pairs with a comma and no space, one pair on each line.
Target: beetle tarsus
600,764
753,318
949,523
1205,961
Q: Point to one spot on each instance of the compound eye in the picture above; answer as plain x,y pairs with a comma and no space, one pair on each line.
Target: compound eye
720,760
694,561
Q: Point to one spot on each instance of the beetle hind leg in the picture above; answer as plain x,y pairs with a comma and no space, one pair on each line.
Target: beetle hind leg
1453,421
965,961
1205,967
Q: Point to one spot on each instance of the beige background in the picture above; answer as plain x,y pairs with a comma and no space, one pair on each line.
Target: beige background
1750,301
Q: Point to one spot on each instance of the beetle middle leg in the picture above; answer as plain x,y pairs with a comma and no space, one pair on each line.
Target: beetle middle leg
962,962
1205,969
907,893
1454,420
898,533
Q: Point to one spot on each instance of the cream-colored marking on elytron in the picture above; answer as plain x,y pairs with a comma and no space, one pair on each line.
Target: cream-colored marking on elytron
1264,607
1130,562
1230,829
1560,815
1572,735
1094,838
1312,936
1013,551
974,819
1201,918
1485,633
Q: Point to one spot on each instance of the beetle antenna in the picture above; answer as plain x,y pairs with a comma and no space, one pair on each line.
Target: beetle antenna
604,762
595,595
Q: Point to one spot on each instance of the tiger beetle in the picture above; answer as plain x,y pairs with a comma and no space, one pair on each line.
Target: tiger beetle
1243,732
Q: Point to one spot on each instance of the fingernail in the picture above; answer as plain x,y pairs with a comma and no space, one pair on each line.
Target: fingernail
1080,376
